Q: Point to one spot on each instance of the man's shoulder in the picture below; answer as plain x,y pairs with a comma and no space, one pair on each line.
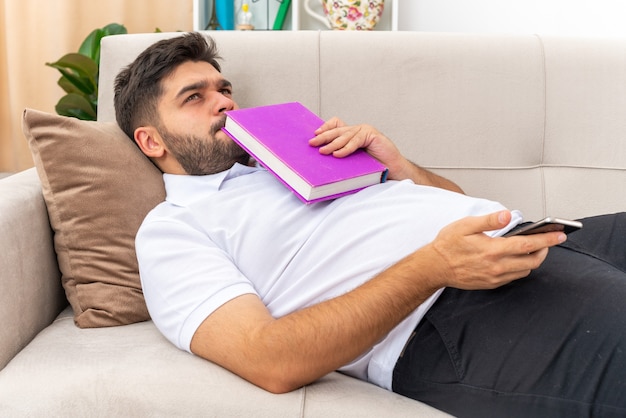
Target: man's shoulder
164,212
159,217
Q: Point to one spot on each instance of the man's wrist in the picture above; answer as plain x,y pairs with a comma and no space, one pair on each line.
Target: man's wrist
402,170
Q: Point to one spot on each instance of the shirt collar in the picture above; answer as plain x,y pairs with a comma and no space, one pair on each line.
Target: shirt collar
181,190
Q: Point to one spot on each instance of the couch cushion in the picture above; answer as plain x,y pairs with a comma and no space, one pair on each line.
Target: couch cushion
31,295
98,187
133,371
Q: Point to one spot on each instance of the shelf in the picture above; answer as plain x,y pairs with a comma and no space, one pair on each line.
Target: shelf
297,18
300,20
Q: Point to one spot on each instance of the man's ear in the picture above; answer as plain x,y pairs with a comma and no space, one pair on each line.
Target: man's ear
149,141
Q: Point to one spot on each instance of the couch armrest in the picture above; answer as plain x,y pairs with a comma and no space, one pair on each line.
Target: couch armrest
32,295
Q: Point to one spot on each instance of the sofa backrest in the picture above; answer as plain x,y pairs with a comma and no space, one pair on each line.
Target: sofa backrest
536,123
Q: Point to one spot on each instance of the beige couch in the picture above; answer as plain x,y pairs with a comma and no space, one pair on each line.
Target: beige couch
536,123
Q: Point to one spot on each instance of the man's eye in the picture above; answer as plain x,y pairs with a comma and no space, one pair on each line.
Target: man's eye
192,97
226,92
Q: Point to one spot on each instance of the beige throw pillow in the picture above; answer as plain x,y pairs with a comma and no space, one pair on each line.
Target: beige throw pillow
98,187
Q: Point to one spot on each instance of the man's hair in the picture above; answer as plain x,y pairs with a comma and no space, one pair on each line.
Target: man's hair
138,86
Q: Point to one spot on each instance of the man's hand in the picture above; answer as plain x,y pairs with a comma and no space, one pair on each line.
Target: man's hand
474,261
336,138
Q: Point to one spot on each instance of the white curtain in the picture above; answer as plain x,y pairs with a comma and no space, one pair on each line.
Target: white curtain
33,32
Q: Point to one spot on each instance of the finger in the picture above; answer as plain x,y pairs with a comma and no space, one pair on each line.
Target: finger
511,268
330,141
323,138
530,244
526,264
327,133
477,224
345,143
529,261
331,123
350,144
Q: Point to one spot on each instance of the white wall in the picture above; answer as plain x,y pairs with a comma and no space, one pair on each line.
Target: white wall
547,17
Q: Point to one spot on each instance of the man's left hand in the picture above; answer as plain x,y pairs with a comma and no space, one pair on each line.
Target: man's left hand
336,138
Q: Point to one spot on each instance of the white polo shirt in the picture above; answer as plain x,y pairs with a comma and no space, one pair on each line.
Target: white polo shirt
241,231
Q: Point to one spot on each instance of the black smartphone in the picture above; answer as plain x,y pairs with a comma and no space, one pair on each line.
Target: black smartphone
548,224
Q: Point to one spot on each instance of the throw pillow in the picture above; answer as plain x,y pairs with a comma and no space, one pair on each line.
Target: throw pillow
98,187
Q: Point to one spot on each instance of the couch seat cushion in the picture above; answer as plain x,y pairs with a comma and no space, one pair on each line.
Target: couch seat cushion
132,370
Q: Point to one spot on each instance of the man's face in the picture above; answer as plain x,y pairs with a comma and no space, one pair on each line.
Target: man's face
191,111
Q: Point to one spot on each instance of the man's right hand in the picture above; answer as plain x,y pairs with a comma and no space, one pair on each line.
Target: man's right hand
472,260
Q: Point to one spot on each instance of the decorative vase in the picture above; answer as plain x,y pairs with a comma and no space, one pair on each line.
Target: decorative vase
222,15
348,14
225,11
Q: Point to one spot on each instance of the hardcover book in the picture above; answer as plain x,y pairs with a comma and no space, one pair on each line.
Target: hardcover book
277,136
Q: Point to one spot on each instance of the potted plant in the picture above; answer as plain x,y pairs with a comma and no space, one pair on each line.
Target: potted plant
79,75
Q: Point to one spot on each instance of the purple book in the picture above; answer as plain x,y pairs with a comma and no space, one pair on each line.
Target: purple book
277,136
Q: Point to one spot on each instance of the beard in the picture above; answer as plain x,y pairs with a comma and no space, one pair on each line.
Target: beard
200,156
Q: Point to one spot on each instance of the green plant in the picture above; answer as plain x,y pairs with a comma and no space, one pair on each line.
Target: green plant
79,75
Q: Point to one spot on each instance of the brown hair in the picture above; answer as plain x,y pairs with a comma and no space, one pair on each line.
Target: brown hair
138,86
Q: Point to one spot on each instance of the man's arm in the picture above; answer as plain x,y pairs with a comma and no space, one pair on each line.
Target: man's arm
425,177
282,354
335,137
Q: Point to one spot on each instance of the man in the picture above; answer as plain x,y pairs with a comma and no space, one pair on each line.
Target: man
236,270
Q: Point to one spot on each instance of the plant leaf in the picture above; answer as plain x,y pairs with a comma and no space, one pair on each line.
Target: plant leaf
79,75
114,29
79,63
83,84
91,45
66,85
69,87
76,106
80,70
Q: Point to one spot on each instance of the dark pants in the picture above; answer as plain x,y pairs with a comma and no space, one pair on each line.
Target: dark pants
552,344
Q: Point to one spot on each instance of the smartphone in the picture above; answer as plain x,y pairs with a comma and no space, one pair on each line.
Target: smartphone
548,224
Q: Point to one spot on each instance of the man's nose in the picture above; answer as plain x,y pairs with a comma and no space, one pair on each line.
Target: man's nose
222,103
